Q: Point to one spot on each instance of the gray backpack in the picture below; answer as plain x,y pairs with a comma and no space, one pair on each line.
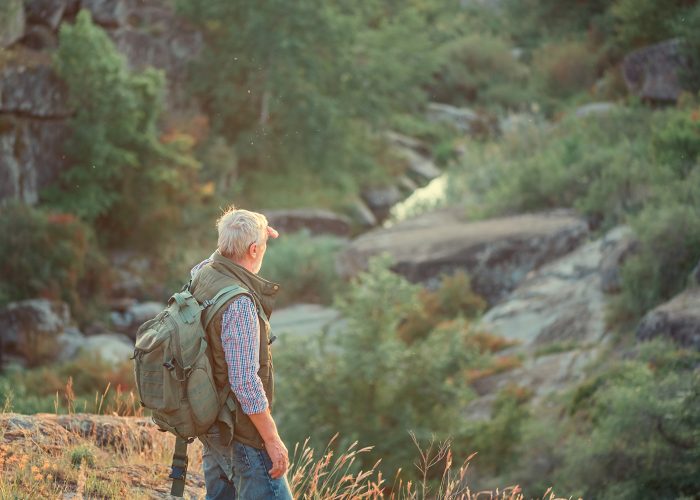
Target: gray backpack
174,378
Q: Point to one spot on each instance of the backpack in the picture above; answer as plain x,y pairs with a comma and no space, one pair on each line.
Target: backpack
174,378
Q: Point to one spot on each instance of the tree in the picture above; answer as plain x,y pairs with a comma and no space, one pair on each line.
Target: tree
121,176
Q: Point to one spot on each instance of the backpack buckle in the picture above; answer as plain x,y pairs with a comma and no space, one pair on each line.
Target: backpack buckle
169,364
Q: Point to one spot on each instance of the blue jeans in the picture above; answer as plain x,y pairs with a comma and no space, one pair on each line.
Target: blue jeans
238,471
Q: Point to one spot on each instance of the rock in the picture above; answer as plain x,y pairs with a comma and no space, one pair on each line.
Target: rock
31,156
362,214
107,13
157,37
38,37
677,319
381,199
138,313
652,72
46,12
299,321
407,185
595,108
515,123
464,120
30,329
113,348
314,220
416,154
561,303
618,245
12,21
33,91
69,343
407,142
497,253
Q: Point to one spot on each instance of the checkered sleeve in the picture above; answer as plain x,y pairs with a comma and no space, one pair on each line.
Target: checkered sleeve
240,336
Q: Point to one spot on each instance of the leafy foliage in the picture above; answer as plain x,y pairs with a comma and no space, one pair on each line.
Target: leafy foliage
48,254
122,177
368,384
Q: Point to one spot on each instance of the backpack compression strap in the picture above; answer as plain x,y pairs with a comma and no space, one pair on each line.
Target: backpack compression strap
179,467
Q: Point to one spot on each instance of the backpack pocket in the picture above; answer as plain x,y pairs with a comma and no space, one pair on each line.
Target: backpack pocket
202,394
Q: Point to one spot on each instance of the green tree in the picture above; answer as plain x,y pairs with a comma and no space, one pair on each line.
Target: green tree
300,87
121,177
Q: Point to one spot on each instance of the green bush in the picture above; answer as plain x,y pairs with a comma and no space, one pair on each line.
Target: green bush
49,254
80,454
641,22
657,397
368,384
481,69
564,68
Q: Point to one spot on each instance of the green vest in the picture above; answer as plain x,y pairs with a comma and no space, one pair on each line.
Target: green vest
209,280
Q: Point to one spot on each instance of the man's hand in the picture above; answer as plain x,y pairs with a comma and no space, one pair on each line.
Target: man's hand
279,456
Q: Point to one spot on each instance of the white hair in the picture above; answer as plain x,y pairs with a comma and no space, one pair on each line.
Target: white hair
238,229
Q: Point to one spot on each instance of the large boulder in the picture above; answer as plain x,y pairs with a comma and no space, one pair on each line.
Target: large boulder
497,253
30,329
381,199
316,221
678,320
12,21
113,348
653,72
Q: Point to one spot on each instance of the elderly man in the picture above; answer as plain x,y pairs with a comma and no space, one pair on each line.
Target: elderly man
254,464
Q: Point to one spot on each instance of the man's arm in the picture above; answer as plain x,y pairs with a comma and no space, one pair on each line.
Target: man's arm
240,337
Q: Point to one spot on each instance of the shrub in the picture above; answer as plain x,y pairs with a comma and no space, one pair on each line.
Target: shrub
48,254
481,69
641,22
80,454
656,396
564,68
369,385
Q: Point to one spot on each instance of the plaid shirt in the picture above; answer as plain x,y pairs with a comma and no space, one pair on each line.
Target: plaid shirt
240,337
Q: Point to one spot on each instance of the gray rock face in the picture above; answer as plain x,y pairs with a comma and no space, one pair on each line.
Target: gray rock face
652,72
557,316
46,12
30,328
33,91
314,220
678,320
31,156
416,154
12,21
497,253
108,13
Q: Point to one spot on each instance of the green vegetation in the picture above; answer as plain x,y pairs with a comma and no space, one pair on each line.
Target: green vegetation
305,265
122,178
49,254
370,384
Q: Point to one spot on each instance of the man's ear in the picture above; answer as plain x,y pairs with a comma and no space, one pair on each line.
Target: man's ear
253,250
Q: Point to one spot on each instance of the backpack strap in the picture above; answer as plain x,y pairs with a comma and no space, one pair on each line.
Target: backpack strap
213,305
179,468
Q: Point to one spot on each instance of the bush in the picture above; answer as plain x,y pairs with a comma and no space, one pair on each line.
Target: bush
304,265
564,68
656,396
49,254
121,176
481,69
641,22
368,384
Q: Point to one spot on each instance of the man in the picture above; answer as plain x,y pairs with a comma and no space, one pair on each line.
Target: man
252,465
